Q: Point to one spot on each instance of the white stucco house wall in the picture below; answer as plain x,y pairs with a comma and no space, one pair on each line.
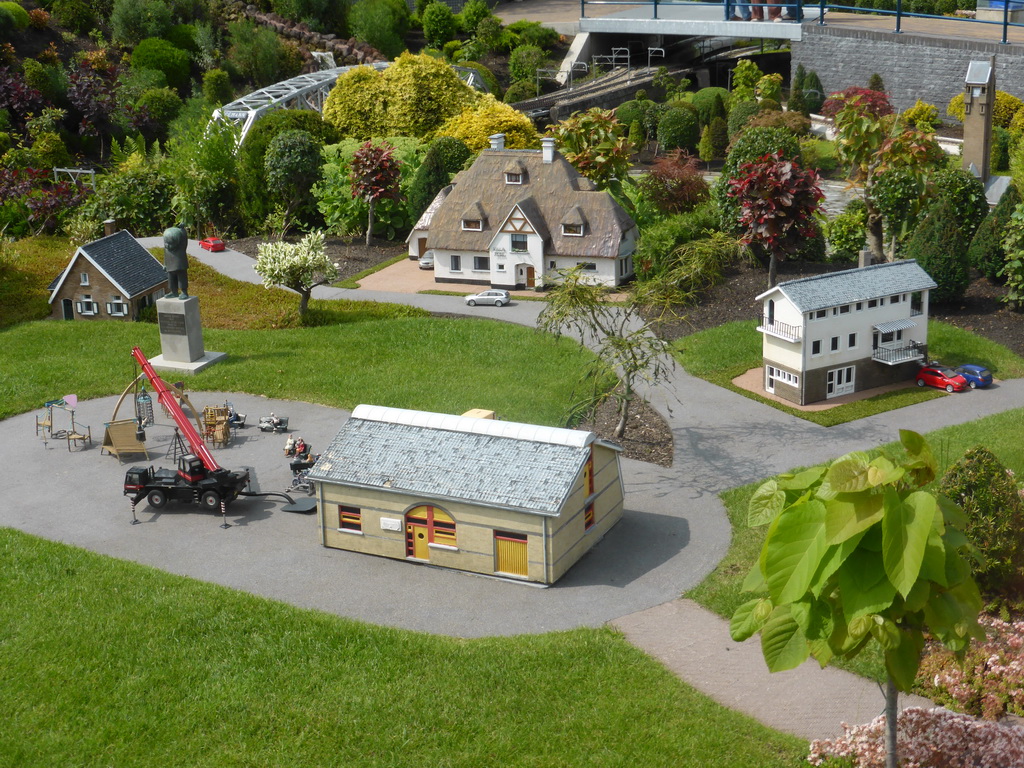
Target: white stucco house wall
517,216
833,334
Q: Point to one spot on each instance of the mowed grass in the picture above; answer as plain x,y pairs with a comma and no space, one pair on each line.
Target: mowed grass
721,591
105,662
719,355
444,365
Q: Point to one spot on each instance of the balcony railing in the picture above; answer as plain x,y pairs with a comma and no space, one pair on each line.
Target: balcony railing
896,355
782,330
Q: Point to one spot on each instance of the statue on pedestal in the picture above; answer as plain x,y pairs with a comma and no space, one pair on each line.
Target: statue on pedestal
176,262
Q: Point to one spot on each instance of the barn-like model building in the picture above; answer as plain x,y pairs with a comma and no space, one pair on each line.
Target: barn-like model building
113,277
833,334
494,497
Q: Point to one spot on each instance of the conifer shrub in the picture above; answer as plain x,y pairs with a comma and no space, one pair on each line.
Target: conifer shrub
719,130
988,494
999,155
217,86
940,247
740,115
704,102
966,194
814,93
797,103
875,83
679,129
986,253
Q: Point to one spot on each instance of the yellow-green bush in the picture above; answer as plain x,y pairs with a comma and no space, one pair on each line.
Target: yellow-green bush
1006,108
491,116
422,92
921,115
355,106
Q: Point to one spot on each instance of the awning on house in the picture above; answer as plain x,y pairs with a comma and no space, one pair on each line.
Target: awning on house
895,325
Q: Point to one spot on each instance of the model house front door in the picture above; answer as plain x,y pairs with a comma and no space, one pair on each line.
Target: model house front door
416,541
839,381
68,307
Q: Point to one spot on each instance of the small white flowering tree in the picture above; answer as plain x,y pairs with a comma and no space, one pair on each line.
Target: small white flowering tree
300,266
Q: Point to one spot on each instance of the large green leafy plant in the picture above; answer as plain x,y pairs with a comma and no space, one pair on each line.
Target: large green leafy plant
857,552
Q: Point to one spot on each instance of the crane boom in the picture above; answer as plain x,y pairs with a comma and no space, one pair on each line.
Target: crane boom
168,401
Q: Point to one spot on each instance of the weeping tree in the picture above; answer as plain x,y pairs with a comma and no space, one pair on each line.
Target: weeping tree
857,553
623,342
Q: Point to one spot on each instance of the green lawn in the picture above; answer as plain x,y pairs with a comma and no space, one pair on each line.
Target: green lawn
442,365
721,354
105,662
721,590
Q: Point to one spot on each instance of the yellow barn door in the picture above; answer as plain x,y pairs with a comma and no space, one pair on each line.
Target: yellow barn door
510,553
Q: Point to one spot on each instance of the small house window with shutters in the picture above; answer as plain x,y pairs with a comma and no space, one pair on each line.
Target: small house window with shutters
350,519
116,307
87,306
84,278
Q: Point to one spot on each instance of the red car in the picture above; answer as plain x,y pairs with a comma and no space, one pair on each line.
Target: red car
942,377
212,244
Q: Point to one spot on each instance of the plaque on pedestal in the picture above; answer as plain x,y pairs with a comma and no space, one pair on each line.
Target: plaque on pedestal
181,336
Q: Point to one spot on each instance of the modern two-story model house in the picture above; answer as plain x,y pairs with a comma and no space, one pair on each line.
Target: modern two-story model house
521,501
838,333
113,277
517,216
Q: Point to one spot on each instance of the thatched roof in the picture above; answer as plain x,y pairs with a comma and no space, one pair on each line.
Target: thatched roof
550,195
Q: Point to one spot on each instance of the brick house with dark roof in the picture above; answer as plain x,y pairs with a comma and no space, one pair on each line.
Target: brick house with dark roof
516,216
110,277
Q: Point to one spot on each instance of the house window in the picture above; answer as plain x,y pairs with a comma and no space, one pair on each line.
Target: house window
873,303
860,305
588,517
87,306
551,265
519,244
84,278
456,263
472,225
513,178
501,267
572,230
816,347
430,523
481,263
820,314
852,340
588,266
844,310
350,518
835,343
895,299
117,307
784,376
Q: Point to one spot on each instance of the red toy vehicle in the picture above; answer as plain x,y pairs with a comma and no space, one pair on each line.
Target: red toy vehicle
942,377
212,244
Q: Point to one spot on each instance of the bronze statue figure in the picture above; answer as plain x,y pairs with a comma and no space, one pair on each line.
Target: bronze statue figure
176,261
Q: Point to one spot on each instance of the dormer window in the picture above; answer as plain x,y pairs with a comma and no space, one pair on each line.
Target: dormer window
513,177
572,230
472,225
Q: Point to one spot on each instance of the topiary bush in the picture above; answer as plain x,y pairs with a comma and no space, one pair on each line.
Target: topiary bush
154,53
847,232
162,105
439,25
19,16
217,86
740,115
988,494
521,91
431,177
940,247
704,102
986,253
814,93
452,152
524,63
679,128
965,193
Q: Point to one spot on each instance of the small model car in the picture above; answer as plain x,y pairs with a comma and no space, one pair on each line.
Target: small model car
976,375
427,261
495,296
212,244
942,377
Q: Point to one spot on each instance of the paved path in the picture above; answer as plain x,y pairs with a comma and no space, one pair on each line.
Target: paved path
673,533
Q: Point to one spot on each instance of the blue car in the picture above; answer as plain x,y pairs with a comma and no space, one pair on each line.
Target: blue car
976,375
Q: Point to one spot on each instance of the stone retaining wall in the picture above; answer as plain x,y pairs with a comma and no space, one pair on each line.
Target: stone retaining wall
912,66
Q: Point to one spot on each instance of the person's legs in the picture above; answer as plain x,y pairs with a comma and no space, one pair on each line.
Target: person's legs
775,12
757,10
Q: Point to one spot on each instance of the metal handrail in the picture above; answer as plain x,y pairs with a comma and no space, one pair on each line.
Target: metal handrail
779,328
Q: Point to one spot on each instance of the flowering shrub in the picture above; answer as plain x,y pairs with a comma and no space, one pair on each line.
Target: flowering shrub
875,102
990,680
926,738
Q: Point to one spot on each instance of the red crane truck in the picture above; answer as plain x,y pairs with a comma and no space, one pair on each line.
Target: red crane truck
199,478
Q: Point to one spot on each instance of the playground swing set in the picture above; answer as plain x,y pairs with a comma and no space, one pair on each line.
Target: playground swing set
75,434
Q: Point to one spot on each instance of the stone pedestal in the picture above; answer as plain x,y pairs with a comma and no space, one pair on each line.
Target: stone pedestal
181,337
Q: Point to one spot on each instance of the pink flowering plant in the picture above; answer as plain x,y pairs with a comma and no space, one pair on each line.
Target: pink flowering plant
927,738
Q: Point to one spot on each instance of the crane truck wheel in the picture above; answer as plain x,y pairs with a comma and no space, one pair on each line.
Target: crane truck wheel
210,500
157,499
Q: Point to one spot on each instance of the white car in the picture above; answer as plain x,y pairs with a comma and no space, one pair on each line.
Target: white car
495,296
427,260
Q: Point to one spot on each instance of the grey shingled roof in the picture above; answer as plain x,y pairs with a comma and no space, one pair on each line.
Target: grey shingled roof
432,462
809,294
128,265
550,195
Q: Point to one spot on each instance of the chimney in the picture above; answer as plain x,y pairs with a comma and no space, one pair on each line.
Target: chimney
547,149
109,227
497,141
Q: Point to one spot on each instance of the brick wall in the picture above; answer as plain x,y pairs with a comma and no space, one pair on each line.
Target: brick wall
912,66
